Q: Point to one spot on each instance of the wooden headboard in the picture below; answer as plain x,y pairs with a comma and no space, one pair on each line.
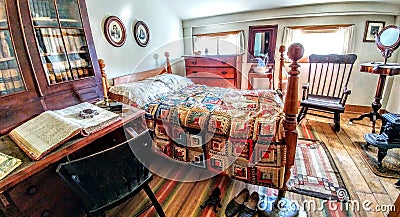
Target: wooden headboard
282,75
135,76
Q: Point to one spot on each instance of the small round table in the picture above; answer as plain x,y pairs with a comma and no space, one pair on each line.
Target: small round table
383,70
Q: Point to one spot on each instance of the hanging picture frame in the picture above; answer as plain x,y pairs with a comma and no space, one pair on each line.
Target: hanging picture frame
141,33
372,28
114,31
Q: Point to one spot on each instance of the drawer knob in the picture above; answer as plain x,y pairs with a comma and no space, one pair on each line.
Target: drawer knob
194,62
32,190
223,62
46,214
194,71
224,72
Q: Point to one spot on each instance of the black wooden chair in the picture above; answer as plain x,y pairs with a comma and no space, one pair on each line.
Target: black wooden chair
106,179
326,89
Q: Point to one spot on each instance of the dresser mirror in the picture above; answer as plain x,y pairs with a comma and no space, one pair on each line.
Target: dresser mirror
261,43
388,40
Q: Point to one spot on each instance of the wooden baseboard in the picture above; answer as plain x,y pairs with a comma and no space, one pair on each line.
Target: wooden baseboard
360,109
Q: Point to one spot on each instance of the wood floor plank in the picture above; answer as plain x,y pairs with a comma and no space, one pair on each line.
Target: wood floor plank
368,201
344,159
384,200
391,190
372,180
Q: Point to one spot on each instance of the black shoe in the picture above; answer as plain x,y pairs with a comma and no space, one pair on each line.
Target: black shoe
250,208
236,204
397,184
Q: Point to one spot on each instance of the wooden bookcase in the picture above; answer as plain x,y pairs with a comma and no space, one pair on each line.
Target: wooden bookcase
47,61
47,58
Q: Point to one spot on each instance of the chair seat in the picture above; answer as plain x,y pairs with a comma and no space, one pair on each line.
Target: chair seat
323,102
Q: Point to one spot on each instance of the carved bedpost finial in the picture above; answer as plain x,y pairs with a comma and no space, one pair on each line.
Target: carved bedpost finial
104,80
168,67
282,49
102,65
295,52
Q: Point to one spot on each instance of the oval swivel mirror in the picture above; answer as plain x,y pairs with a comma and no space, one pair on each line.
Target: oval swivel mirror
388,40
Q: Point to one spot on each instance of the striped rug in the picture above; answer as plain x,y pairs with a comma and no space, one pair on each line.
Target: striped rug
184,199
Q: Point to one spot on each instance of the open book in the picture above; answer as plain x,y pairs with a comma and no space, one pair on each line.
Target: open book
8,164
50,129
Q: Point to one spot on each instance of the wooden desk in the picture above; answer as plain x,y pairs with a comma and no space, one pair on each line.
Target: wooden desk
35,188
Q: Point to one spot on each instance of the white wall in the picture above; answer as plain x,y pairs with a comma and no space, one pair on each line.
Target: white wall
165,34
362,84
393,104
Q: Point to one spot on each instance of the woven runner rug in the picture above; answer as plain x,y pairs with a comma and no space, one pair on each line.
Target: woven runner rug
314,176
390,164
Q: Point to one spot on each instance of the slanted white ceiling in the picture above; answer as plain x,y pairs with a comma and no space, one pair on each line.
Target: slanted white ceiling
191,9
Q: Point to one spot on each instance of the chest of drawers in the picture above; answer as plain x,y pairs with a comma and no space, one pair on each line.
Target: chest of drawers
215,70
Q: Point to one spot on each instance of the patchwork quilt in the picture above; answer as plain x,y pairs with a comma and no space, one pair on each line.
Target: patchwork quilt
236,132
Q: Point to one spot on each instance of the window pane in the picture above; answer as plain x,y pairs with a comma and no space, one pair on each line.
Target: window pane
218,43
11,80
321,40
43,13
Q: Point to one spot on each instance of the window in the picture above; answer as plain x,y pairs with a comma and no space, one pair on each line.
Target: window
219,43
327,39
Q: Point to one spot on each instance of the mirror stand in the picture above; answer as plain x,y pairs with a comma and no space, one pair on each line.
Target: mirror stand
387,41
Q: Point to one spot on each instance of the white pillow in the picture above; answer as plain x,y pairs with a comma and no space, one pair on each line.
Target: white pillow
174,82
141,92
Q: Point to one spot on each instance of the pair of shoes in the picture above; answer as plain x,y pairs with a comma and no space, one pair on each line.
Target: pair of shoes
397,184
237,202
250,207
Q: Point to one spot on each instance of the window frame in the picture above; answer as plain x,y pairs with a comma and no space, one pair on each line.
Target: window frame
240,34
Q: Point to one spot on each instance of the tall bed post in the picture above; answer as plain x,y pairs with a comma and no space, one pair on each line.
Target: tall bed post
104,80
281,64
168,63
295,52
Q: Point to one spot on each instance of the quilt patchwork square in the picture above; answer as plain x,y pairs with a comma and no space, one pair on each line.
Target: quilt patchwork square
269,176
163,147
196,157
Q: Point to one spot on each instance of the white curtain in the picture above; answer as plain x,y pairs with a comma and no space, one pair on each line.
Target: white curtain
287,39
348,39
341,40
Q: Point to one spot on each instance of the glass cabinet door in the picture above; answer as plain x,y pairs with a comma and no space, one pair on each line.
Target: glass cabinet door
11,79
61,40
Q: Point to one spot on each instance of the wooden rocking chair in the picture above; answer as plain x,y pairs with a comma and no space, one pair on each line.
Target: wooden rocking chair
326,89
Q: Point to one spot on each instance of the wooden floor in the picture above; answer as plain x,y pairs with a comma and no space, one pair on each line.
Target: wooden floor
361,182
363,185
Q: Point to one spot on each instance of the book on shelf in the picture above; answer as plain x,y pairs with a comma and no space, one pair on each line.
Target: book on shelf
45,132
8,164
5,49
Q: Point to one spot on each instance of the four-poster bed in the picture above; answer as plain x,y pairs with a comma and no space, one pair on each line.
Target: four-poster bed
250,135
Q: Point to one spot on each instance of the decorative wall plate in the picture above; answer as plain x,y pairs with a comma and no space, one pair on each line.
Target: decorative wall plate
115,31
141,33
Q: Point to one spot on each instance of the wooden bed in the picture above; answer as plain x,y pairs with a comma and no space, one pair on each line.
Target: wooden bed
290,107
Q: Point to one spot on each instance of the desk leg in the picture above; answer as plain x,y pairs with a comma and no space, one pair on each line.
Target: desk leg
376,105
